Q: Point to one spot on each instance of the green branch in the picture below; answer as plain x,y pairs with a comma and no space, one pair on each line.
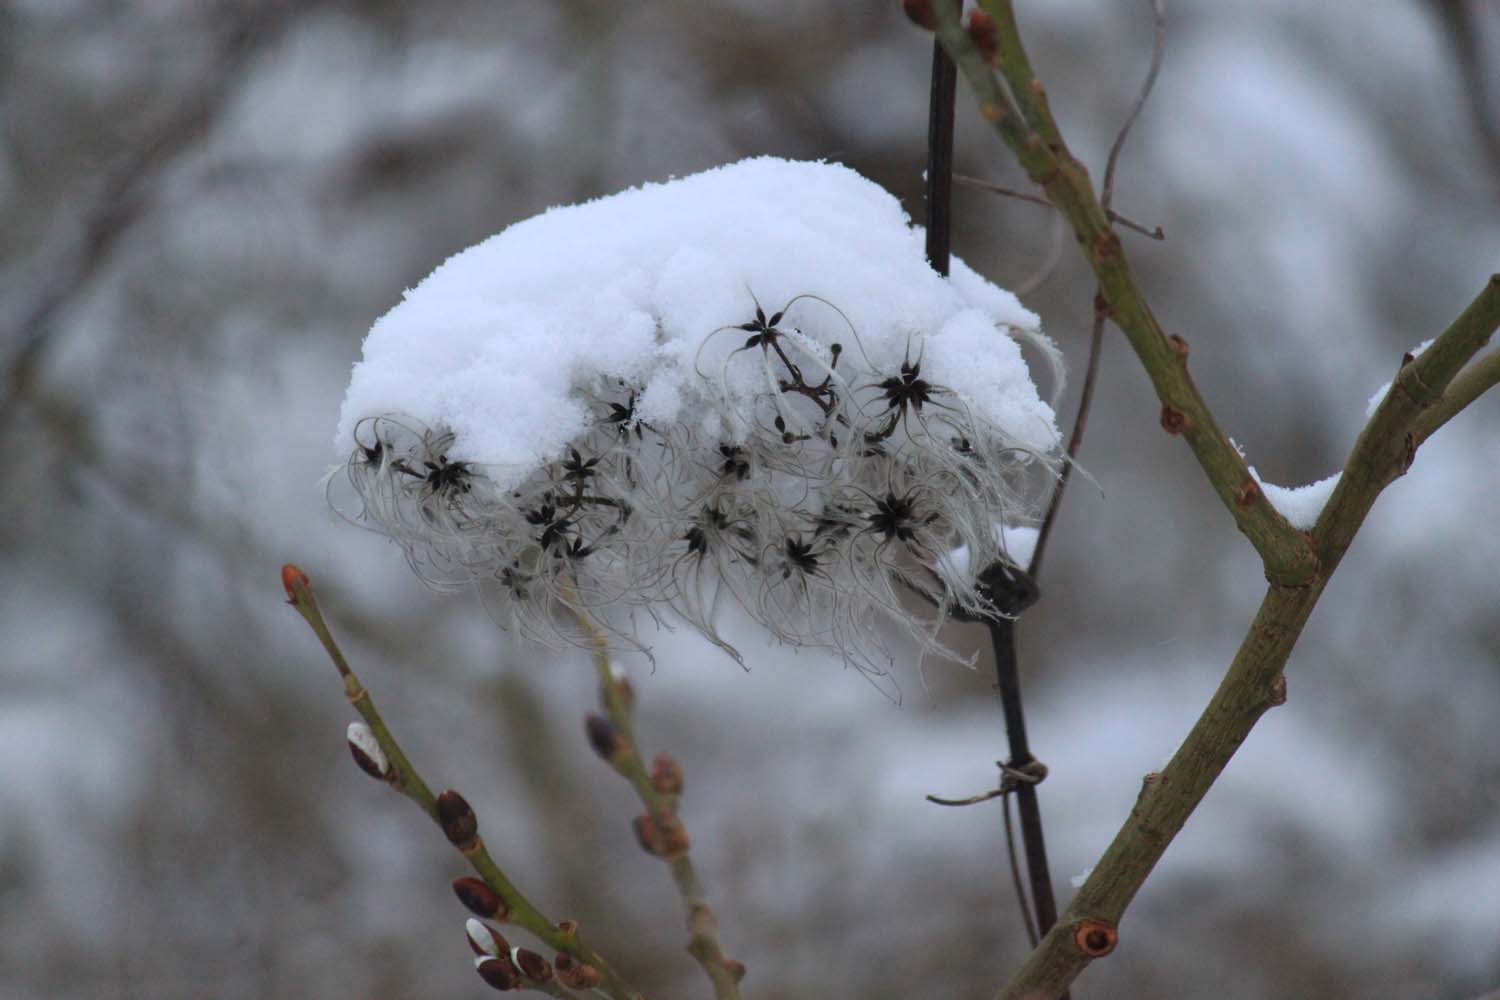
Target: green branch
1427,392
1048,162
457,821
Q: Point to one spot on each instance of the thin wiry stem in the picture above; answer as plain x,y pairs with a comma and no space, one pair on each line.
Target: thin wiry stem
409,782
1007,671
1101,312
617,700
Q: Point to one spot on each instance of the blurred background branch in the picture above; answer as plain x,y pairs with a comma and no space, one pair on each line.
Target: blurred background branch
177,423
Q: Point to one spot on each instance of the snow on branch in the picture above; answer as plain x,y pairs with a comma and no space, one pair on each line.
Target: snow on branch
746,384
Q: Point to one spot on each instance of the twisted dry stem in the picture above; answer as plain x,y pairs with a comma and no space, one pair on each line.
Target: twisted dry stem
406,780
665,835
1426,393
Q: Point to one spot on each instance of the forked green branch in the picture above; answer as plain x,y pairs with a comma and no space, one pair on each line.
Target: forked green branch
1427,392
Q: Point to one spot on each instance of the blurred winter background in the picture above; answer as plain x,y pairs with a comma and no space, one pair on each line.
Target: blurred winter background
206,204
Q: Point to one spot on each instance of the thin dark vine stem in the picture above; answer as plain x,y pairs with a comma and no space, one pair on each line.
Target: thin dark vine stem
1096,335
940,160
939,195
1015,872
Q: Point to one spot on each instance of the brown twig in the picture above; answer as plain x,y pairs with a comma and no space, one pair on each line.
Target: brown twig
1101,311
504,901
1064,179
660,831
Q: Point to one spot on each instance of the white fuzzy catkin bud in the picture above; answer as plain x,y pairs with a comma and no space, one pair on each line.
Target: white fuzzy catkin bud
481,938
367,752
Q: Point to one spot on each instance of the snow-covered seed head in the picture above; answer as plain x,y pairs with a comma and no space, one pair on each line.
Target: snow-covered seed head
365,749
499,972
481,900
457,819
484,939
800,420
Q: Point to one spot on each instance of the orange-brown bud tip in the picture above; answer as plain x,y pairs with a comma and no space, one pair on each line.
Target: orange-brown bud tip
458,821
1174,421
1248,493
735,968
481,900
1095,938
667,840
568,928
291,579
666,774
920,13
984,35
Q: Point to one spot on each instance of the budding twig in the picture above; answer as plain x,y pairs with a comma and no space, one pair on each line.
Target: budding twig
492,895
660,831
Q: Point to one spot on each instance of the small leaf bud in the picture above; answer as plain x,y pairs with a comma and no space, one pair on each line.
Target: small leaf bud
533,966
667,840
920,13
481,900
666,774
500,973
367,752
1095,938
484,939
574,974
606,739
293,578
458,821
984,35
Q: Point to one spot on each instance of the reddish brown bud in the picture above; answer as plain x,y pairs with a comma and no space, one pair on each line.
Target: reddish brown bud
1178,345
920,13
458,821
499,972
1095,938
1248,493
484,939
984,35
606,738
574,974
667,840
481,900
734,967
1277,694
365,749
293,578
666,774
568,928
1173,420
533,966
